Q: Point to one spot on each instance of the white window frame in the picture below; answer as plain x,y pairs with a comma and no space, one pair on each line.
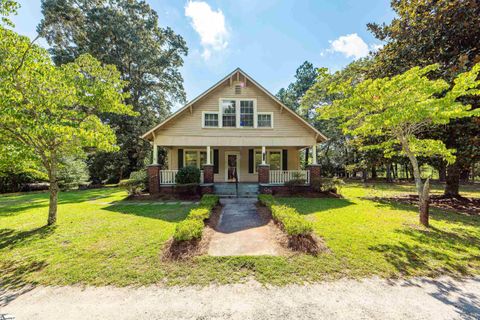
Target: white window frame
237,113
203,119
199,165
264,113
267,161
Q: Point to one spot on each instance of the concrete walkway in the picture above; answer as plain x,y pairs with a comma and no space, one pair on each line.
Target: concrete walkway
423,298
241,231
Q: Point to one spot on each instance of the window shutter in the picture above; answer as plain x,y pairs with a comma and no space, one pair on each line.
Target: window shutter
306,156
180,158
284,159
251,155
215,161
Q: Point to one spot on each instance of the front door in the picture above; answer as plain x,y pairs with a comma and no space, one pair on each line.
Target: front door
232,165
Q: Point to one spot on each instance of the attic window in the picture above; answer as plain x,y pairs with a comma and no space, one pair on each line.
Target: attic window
238,89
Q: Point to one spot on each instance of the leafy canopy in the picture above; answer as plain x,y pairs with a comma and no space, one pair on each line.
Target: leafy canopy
48,111
399,108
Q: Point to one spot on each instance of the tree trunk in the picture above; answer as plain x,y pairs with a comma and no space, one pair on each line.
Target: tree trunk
52,206
364,175
452,182
389,172
374,172
422,189
442,172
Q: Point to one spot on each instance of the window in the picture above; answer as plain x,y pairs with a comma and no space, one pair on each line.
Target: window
210,120
258,159
275,160
264,120
246,113
191,158
196,158
229,113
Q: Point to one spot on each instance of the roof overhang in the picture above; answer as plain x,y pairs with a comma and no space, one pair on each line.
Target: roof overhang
150,134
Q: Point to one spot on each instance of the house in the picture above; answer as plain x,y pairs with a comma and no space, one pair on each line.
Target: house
234,131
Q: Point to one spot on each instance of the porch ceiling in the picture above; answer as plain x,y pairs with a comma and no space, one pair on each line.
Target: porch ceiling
198,141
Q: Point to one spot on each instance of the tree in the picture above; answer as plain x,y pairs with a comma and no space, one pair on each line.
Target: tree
7,8
305,77
398,109
124,33
338,151
48,112
445,32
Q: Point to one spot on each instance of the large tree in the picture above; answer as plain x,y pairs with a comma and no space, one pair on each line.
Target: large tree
124,33
49,112
399,109
445,32
305,77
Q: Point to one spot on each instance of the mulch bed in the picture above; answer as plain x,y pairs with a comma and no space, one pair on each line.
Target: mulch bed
468,206
310,244
184,250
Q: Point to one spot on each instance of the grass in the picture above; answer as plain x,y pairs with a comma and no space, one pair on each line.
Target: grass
100,239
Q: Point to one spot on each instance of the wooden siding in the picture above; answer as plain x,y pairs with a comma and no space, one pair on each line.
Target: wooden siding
186,128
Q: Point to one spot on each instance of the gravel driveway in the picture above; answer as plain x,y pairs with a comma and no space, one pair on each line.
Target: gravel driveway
442,298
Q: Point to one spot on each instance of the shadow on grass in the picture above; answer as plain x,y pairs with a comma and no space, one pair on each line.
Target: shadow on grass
433,251
168,213
314,205
435,213
16,203
10,238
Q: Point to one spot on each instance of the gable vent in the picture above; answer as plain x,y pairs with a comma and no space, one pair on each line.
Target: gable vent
238,89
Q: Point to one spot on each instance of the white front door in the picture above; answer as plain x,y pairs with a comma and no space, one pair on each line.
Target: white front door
232,166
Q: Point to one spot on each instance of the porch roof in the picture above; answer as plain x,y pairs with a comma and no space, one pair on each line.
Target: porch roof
234,141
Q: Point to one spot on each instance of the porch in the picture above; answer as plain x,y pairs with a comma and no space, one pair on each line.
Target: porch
251,167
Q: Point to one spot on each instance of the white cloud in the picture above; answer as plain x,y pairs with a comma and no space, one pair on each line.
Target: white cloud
351,45
210,25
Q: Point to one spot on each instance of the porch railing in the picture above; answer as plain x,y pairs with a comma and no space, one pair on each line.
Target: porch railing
169,176
282,176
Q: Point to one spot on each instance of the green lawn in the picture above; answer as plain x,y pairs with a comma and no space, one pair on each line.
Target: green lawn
100,240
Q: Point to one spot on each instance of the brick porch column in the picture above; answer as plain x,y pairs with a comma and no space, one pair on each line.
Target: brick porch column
314,170
208,176
263,173
153,173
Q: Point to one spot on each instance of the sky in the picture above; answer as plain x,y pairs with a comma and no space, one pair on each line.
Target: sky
268,39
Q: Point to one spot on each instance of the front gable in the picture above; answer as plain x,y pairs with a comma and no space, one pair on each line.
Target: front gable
239,112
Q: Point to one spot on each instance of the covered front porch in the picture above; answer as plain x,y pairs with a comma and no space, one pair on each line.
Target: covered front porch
264,165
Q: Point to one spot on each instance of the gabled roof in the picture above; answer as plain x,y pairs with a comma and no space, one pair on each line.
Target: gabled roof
149,134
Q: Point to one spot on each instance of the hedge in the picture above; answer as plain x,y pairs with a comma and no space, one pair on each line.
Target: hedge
292,222
192,227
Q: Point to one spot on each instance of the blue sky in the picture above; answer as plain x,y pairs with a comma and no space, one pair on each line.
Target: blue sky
268,39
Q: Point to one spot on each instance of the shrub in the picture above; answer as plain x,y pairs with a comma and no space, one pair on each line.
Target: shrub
209,201
332,185
136,183
316,184
266,199
292,222
293,184
188,229
199,214
188,175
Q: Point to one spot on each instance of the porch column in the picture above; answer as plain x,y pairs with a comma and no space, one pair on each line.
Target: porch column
264,155
155,153
209,161
314,154
153,173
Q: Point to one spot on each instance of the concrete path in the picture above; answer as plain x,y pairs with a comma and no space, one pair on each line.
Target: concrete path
241,231
438,299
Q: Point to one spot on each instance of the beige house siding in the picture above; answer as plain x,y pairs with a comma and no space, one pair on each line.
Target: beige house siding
186,128
293,162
